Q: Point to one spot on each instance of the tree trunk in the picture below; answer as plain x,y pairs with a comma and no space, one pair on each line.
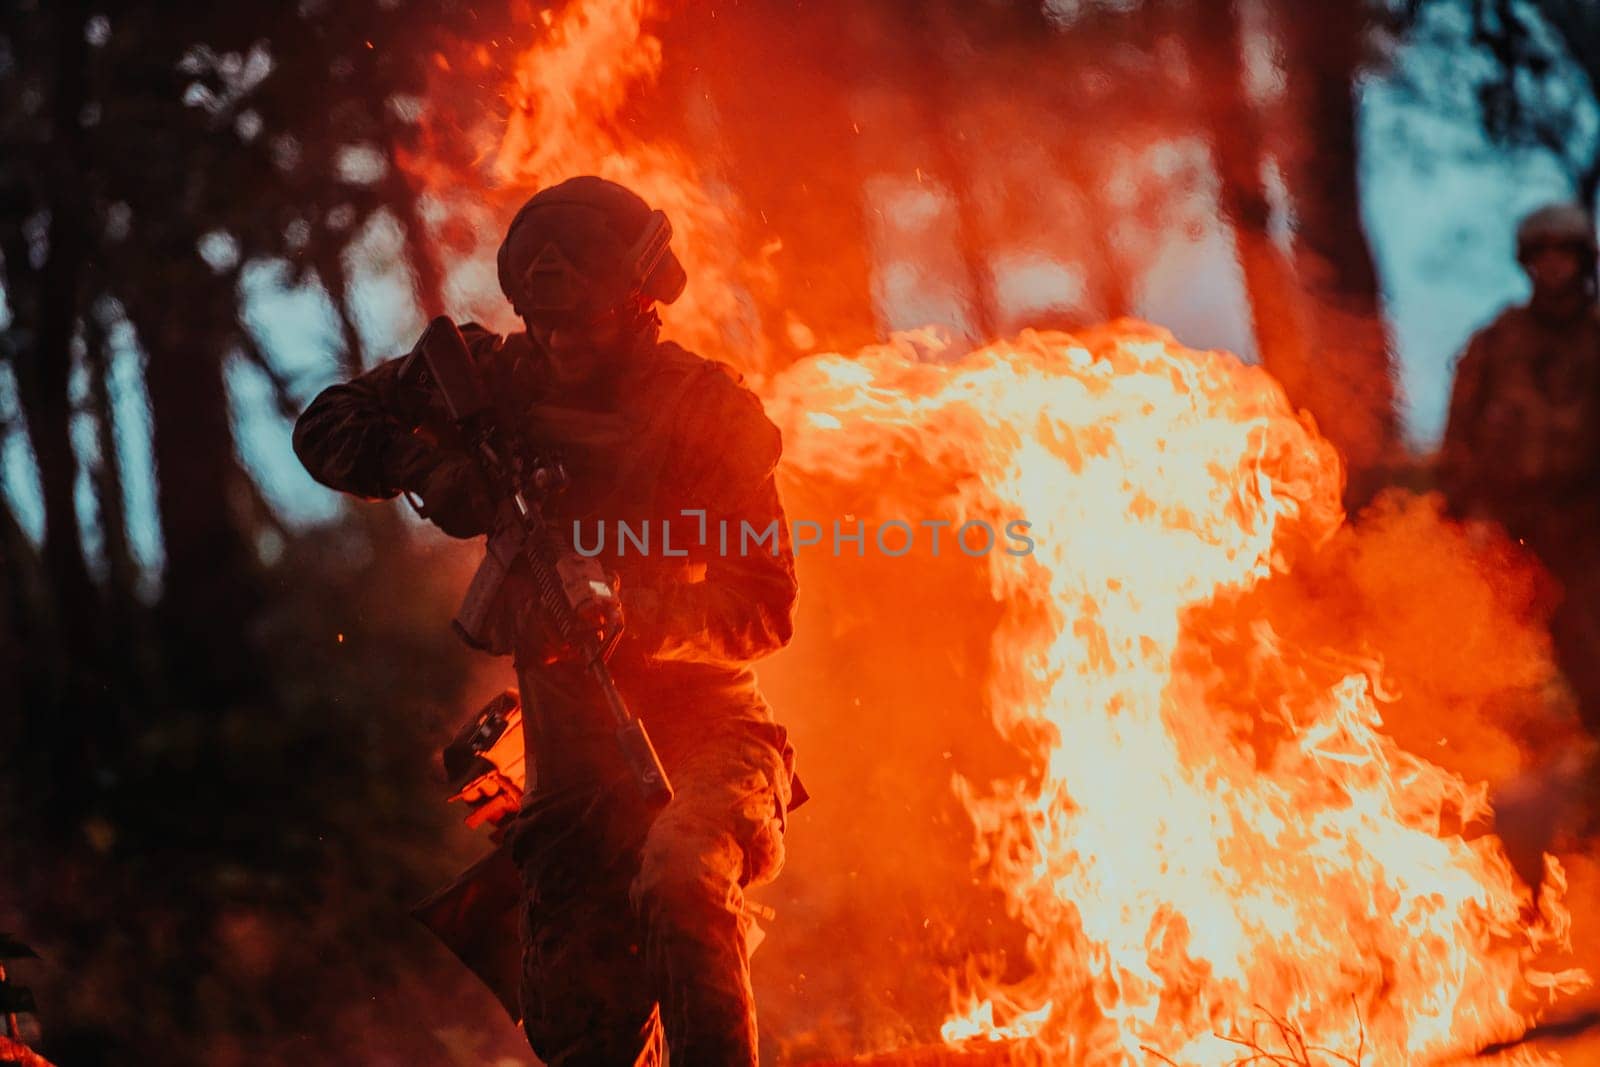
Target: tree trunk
330,269
425,266
20,639
1279,315
1106,265
932,35
1350,389
122,573
20,567
209,590
62,679
127,649
43,366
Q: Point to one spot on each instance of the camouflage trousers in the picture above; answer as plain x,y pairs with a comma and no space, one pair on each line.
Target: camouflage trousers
634,929
1563,535
1575,633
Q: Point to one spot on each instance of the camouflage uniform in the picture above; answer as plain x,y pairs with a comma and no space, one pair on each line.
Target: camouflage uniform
621,911
1522,448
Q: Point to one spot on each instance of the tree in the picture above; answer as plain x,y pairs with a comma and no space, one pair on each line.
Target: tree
1353,393
1539,90
155,156
1235,130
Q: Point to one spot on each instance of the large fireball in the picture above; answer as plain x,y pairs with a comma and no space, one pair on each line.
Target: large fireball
1219,846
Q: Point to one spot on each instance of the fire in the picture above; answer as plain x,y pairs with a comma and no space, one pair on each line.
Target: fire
562,117
1221,849
1220,853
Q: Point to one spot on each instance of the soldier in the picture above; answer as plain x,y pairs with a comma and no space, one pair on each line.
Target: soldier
1522,447
634,922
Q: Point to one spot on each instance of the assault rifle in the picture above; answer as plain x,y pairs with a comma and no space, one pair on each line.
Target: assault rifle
574,593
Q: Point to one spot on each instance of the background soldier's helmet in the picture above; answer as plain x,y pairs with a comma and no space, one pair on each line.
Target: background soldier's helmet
584,247
1563,225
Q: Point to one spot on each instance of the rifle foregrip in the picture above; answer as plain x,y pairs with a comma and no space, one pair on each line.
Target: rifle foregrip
645,764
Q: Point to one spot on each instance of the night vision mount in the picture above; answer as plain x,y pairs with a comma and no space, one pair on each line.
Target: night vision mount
553,284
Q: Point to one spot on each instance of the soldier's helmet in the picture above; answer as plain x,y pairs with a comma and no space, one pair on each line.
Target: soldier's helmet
1558,225
585,247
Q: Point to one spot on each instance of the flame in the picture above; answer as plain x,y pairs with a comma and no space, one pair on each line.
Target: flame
1221,849
1220,853
563,117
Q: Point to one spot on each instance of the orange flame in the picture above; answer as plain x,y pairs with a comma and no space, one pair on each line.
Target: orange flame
1193,880
563,119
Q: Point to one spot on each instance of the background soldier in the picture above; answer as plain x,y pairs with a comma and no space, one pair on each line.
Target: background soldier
1522,447
625,909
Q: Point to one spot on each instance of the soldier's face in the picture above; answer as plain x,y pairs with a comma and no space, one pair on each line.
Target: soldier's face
1554,268
579,354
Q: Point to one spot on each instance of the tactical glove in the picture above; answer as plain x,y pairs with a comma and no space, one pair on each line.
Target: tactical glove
406,461
456,498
